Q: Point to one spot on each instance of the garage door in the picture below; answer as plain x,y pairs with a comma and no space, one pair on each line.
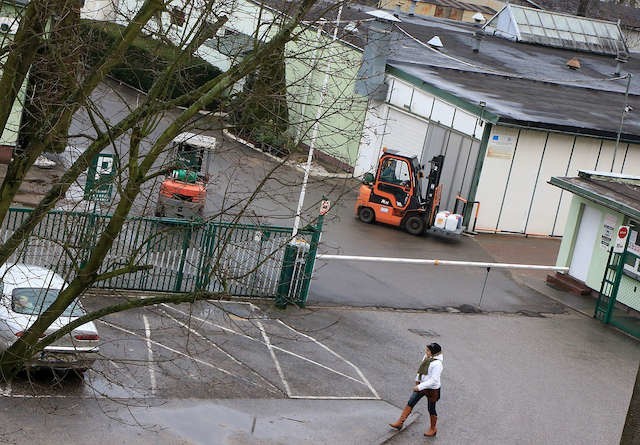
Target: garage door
404,133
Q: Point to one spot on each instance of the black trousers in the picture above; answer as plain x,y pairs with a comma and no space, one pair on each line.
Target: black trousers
433,395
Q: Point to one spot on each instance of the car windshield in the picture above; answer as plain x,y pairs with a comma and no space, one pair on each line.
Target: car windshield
33,301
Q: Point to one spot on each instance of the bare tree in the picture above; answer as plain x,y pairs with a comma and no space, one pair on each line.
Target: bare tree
46,55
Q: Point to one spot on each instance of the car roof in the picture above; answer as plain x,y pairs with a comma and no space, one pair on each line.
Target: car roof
27,275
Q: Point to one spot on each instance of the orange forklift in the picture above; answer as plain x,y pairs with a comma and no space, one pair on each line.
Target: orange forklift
394,196
183,194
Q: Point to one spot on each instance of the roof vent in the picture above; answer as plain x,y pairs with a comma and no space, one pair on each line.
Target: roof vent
573,64
351,27
435,42
478,18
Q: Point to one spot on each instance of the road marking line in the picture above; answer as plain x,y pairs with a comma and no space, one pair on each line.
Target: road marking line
152,372
286,351
175,351
360,373
335,398
193,331
274,358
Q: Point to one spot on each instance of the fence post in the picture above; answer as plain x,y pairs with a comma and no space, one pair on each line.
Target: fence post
310,262
286,275
185,246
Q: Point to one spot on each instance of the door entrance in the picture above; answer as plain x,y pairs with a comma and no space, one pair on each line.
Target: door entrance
585,241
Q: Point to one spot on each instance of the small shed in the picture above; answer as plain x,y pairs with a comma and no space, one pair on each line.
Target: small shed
603,202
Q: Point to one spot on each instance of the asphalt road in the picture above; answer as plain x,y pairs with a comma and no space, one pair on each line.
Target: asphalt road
525,370
199,375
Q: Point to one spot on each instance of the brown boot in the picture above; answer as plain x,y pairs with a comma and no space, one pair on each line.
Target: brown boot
432,430
405,413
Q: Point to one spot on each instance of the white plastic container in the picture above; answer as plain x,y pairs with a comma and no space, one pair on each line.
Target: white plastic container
441,219
452,222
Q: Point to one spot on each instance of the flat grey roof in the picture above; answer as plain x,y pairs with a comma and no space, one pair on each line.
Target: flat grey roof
618,196
521,84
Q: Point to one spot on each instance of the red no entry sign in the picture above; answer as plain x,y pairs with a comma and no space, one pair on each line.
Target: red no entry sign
622,233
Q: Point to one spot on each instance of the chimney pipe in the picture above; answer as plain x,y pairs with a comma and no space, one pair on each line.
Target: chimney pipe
477,38
621,59
412,9
370,80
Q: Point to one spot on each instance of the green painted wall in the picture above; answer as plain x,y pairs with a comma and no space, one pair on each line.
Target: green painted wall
342,111
600,255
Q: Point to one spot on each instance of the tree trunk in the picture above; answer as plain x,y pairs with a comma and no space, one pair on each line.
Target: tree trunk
631,431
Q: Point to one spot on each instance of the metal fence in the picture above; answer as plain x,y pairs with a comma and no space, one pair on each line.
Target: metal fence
619,292
181,256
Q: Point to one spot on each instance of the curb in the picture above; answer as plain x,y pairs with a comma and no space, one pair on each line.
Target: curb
385,438
314,170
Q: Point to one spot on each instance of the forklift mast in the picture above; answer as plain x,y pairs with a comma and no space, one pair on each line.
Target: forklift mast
433,181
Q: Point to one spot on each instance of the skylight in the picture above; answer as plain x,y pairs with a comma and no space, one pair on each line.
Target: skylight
555,29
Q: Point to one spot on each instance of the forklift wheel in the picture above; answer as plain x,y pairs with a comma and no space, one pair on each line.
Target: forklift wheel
366,215
415,225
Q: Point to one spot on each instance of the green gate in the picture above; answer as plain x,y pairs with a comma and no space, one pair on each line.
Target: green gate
620,290
176,255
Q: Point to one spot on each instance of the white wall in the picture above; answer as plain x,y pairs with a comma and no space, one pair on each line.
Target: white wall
513,191
99,9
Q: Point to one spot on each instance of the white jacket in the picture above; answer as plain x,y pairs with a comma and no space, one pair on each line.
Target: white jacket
432,379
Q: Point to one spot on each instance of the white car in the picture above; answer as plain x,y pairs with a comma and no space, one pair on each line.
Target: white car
26,292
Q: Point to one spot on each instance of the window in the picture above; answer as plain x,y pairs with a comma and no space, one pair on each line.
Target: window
177,16
395,171
632,258
30,301
443,11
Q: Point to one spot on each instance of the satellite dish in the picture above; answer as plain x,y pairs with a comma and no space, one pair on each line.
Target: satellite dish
435,42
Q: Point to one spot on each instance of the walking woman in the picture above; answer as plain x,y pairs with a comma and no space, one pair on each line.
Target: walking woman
427,384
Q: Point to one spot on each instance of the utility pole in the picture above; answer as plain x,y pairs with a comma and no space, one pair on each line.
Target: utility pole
314,131
625,110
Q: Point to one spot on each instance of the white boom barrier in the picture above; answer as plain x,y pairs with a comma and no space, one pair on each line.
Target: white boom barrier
376,259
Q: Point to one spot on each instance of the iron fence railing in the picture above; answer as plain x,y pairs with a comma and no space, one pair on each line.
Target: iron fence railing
181,256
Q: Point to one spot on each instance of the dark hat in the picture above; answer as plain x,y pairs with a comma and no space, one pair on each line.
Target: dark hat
434,348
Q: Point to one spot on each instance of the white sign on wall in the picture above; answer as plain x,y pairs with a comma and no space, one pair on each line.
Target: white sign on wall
501,146
634,243
608,228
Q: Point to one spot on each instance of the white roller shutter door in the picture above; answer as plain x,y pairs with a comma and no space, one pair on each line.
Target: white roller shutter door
404,133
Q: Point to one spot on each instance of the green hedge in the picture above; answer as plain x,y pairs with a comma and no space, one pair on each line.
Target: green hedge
145,59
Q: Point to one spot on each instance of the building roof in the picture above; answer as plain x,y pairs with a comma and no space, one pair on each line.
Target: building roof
605,10
557,29
462,5
616,192
520,83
